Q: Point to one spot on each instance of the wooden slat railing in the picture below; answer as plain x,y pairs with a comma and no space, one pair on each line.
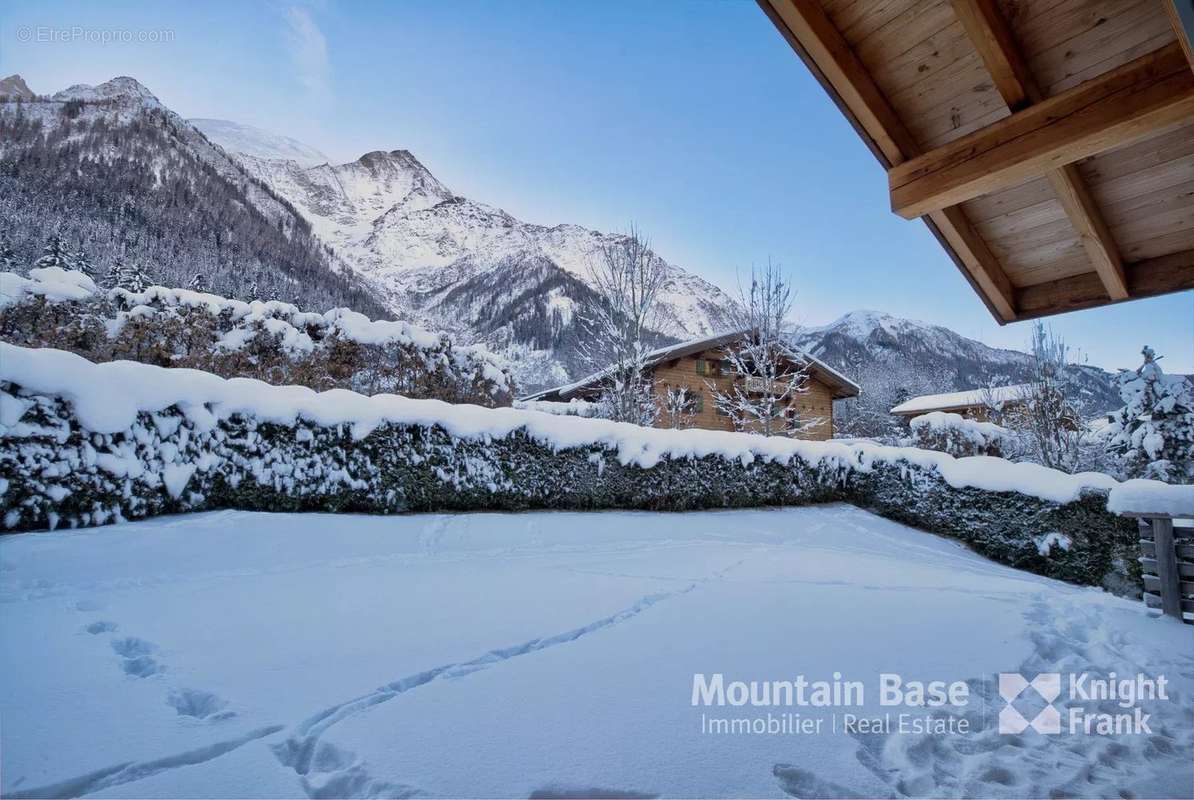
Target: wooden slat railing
1167,559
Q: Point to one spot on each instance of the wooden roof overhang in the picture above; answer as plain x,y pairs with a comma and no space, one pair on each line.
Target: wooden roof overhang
1047,144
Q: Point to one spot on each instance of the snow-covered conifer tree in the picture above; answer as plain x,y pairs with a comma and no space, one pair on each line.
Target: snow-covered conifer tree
8,259
81,262
54,254
1153,434
132,278
112,277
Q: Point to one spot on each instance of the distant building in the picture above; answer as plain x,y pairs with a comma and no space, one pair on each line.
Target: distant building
700,364
970,403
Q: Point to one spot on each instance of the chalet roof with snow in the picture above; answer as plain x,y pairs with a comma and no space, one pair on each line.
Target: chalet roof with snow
960,401
1048,145
841,386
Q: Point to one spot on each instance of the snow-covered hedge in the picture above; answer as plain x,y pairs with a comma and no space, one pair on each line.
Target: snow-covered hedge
271,341
573,408
86,444
959,436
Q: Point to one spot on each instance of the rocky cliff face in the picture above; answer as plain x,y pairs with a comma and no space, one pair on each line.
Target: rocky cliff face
148,186
464,265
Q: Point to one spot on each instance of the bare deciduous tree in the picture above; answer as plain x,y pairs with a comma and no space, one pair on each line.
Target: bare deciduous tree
627,277
679,407
769,372
1049,427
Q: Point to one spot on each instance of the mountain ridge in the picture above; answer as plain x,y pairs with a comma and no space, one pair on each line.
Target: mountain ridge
423,252
448,259
149,187
894,358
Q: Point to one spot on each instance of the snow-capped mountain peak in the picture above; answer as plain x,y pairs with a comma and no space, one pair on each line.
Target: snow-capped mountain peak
895,358
863,322
463,264
15,86
121,90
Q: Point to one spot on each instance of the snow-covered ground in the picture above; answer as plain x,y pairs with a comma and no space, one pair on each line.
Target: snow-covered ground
234,654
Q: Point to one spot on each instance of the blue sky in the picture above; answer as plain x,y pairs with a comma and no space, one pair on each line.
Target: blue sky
691,118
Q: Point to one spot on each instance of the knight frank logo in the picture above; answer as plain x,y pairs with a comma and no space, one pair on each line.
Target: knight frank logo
1046,686
1029,704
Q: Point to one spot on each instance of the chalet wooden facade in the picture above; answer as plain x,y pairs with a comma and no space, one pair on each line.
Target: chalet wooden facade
1047,144
700,366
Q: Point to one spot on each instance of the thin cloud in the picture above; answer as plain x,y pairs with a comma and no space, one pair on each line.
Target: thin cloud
308,49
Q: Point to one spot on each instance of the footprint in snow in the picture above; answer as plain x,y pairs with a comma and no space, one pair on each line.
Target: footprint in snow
136,657
142,667
131,647
198,704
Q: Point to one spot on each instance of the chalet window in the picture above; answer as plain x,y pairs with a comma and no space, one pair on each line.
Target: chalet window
702,367
696,403
725,368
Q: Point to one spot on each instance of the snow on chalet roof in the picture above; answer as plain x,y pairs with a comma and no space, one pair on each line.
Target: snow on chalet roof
963,399
842,386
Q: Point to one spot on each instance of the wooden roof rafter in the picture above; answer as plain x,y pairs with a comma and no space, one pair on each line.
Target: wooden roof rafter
836,66
996,45
1051,152
1119,107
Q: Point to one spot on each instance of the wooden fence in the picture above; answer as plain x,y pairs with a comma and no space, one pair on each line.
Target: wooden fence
1167,558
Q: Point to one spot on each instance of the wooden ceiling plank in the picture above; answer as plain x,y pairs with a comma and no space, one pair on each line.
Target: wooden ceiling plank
996,45
1142,97
812,34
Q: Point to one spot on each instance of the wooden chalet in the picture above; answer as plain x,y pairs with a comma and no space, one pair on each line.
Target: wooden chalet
700,365
970,403
1047,144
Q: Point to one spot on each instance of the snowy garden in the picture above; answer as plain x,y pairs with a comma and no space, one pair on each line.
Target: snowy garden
549,654
320,477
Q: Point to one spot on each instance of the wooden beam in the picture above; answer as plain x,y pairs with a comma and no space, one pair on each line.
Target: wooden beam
971,248
820,45
1074,196
1181,16
1148,278
807,23
996,45
992,38
1116,108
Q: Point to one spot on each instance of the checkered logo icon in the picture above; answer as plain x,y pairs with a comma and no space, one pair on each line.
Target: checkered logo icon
1047,685
1012,686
